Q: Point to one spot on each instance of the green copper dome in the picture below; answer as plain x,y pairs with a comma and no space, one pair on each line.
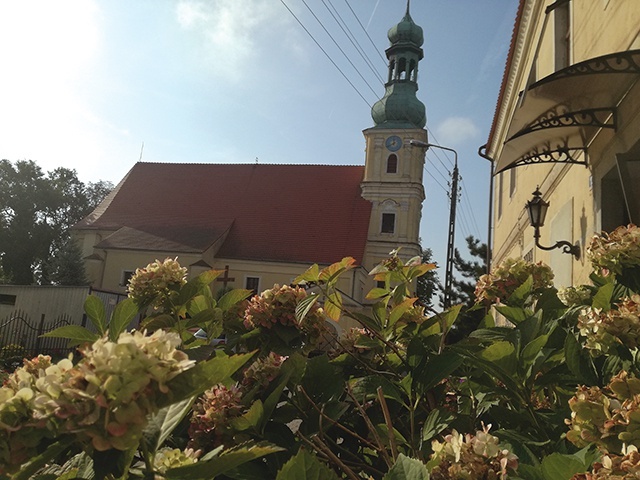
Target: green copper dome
400,108
406,31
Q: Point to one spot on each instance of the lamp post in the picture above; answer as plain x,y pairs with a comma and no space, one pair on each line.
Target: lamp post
448,275
537,209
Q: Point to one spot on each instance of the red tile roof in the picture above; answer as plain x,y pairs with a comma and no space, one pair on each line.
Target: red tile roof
290,213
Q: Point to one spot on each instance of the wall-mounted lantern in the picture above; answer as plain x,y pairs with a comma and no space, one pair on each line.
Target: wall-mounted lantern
537,209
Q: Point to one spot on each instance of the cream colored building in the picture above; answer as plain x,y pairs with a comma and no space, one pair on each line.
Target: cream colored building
265,224
568,121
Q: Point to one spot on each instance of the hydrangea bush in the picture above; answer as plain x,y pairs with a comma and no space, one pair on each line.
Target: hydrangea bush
289,398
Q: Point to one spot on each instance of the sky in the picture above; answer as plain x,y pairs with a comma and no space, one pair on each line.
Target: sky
96,85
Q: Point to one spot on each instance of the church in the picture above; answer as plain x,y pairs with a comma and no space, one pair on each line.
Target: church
265,224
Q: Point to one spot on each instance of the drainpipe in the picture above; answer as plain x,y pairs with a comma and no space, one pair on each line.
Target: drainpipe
482,151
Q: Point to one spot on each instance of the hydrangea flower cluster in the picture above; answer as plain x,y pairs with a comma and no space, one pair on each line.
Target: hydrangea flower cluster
512,273
575,296
603,329
156,282
613,252
105,398
614,467
212,416
609,417
278,306
167,458
471,456
263,371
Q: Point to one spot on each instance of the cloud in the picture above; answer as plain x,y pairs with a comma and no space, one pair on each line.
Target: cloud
230,31
455,130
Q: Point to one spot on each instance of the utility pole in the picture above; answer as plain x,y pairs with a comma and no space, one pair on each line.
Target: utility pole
448,279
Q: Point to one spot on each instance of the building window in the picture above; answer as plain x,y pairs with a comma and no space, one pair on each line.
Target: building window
512,182
562,34
388,223
7,299
392,164
253,284
528,257
126,276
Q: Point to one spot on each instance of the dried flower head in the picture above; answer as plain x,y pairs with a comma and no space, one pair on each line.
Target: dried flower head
613,252
212,416
155,283
603,329
504,280
471,456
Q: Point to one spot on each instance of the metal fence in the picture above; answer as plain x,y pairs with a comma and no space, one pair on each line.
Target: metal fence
21,337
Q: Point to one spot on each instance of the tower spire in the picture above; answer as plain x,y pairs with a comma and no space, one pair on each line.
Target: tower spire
399,107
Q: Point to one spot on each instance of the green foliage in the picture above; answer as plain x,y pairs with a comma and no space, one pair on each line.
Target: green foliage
36,211
535,392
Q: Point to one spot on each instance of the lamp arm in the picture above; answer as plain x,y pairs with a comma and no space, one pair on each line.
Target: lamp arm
567,247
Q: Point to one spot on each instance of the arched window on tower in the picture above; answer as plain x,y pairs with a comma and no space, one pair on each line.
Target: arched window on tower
413,71
392,163
392,68
402,69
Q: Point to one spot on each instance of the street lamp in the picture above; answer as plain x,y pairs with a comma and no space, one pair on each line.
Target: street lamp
448,275
537,209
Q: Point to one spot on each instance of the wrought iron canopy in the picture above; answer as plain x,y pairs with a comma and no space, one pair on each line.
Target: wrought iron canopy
559,115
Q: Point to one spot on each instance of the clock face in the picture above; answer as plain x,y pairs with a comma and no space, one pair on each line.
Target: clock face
393,143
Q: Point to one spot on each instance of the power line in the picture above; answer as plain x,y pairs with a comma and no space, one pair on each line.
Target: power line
365,32
354,41
338,46
325,52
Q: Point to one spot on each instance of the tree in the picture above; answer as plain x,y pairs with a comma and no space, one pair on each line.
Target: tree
463,290
428,284
36,212
67,267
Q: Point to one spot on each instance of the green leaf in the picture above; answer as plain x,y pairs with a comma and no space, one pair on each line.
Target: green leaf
220,464
233,297
579,362
434,370
437,420
198,304
602,299
503,355
122,316
333,305
203,376
407,468
376,293
305,466
321,380
529,472
251,419
399,310
532,350
164,422
94,308
514,314
304,306
75,333
367,387
39,461
312,275
561,467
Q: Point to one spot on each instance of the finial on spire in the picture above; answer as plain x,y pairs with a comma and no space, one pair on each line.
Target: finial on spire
408,5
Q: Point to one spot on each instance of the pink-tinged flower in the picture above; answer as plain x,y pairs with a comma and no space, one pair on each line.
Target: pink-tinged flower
212,416
604,329
157,282
278,306
510,274
613,252
263,371
608,417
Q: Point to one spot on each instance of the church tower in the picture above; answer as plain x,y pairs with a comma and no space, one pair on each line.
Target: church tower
393,168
